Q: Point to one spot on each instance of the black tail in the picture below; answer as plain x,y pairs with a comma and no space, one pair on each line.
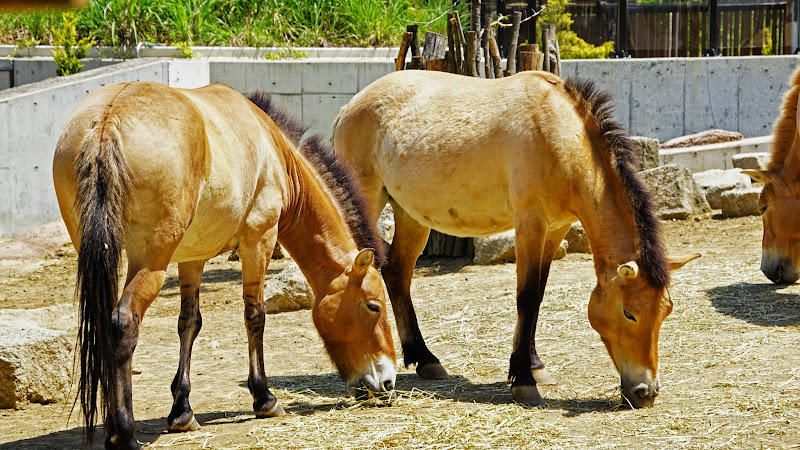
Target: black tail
103,189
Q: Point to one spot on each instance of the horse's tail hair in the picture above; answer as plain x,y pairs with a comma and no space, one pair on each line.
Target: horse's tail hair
104,188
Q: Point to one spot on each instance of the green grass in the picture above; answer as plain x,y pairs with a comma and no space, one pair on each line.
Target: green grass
256,23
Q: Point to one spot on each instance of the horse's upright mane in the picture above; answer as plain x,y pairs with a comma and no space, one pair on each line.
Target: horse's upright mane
623,160
785,128
337,174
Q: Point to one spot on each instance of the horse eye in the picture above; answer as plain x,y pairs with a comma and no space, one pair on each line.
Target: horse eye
628,315
761,209
373,308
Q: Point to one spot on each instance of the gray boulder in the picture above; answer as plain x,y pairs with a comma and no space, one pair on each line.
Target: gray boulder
577,239
386,223
34,365
715,182
741,202
751,161
289,291
647,149
676,193
495,249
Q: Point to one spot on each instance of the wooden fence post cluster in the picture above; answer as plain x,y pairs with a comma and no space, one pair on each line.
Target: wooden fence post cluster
461,52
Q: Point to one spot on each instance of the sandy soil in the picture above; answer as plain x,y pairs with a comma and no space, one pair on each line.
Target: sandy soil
730,362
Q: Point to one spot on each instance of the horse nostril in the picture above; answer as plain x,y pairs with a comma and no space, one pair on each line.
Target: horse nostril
388,385
641,391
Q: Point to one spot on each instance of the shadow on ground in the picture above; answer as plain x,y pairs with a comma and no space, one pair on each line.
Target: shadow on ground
758,304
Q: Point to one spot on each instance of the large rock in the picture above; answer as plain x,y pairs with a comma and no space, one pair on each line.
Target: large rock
676,193
712,136
715,182
751,161
63,317
39,243
386,224
289,291
741,202
647,149
499,248
34,365
577,239
495,249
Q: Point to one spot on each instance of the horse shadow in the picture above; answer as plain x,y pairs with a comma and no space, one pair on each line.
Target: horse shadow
758,304
333,393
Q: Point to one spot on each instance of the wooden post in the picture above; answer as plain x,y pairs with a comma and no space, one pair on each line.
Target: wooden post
471,56
459,32
546,48
511,62
455,47
414,40
451,45
488,72
434,49
400,62
495,52
475,25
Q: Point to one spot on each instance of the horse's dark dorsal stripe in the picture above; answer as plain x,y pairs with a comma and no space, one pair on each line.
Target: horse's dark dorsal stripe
337,174
289,125
624,161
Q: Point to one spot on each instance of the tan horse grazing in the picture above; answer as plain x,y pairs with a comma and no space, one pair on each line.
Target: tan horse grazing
472,157
780,199
181,175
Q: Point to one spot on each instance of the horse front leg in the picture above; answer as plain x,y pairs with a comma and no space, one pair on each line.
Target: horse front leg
551,245
141,289
530,248
255,259
409,240
181,417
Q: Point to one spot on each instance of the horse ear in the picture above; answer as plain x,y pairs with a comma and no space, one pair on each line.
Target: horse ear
362,262
680,261
628,271
762,176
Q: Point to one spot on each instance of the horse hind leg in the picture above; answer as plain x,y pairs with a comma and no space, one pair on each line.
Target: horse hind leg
181,417
409,240
255,259
141,288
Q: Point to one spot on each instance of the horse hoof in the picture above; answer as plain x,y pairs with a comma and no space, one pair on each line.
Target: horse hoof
432,371
178,425
275,411
527,395
542,376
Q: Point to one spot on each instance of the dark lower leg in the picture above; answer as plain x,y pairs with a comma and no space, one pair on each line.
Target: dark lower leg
120,425
181,417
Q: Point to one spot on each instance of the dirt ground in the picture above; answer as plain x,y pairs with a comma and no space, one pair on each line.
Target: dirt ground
730,362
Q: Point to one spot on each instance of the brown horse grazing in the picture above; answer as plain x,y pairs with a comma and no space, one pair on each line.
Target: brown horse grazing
780,199
181,175
472,157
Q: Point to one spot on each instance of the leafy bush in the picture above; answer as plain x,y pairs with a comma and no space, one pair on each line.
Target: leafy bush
69,49
572,47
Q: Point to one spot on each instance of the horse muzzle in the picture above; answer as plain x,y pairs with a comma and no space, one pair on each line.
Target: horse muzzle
779,270
642,394
378,379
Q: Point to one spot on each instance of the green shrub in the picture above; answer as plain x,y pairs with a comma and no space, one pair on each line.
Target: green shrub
572,47
69,49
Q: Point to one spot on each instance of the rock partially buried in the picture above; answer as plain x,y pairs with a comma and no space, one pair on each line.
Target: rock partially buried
715,182
712,136
741,202
500,248
34,366
676,193
289,291
647,150
751,161
577,239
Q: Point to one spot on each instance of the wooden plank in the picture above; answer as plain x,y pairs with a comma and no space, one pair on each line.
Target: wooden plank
400,61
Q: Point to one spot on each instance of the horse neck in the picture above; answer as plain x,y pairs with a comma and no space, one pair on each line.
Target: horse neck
610,226
312,229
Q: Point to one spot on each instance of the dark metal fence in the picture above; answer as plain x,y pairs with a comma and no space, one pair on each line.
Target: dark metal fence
676,28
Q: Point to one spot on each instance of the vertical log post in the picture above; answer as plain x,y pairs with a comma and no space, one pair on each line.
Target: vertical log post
416,62
471,55
461,45
511,62
487,60
546,48
433,51
475,25
495,52
455,47
451,47
400,62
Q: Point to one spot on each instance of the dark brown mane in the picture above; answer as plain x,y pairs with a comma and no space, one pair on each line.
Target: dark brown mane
291,127
785,128
622,158
337,174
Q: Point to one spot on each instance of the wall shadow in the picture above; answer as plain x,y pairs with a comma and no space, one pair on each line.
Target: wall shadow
758,304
